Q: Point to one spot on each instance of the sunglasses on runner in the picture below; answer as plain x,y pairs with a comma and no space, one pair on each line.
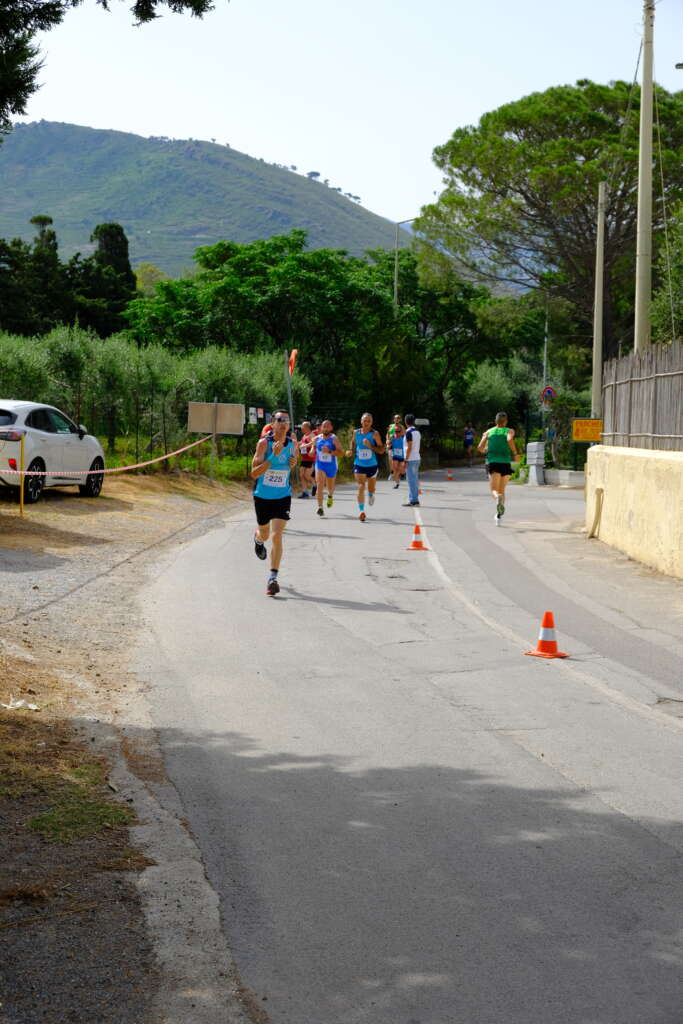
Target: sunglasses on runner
281,419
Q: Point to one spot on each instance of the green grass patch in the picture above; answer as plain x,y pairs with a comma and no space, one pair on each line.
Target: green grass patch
79,818
89,773
43,763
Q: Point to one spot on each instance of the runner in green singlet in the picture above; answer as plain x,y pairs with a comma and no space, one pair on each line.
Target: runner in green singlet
498,444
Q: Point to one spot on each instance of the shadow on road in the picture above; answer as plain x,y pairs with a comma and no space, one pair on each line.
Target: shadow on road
310,533
428,893
338,602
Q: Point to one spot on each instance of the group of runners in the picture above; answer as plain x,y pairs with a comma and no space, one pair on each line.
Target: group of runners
278,452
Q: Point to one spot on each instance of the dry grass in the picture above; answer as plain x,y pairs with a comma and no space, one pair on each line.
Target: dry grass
62,521
42,760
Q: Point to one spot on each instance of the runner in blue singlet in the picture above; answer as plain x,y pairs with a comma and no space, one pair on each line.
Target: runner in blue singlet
366,445
274,459
468,442
397,453
327,451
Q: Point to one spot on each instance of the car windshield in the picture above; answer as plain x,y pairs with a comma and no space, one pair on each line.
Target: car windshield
7,417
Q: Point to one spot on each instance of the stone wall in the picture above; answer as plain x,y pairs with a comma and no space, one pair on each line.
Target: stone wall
634,499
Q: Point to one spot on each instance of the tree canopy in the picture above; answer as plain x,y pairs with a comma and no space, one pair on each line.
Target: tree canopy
521,194
39,292
667,300
356,348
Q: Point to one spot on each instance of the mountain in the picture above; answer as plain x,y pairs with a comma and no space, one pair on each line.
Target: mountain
170,195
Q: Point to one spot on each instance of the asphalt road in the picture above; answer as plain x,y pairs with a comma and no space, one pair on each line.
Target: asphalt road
406,820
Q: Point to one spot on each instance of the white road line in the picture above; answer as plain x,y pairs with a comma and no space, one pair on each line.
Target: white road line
564,665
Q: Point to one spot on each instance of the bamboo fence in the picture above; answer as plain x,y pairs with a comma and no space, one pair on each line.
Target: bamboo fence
642,399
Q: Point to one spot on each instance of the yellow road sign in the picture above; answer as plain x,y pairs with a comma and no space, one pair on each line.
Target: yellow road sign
586,430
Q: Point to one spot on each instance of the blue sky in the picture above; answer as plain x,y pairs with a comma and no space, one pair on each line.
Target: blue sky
360,91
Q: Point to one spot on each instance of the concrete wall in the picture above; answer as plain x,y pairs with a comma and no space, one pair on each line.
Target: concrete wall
642,503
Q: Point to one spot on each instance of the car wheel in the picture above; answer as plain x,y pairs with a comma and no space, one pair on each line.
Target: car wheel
93,485
33,485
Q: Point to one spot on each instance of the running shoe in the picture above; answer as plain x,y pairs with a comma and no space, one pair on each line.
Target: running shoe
371,499
361,516
320,511
273,588
500,508
304,494
395,487
330,501
260,548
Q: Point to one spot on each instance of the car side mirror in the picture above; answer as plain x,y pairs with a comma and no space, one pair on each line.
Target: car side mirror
81,431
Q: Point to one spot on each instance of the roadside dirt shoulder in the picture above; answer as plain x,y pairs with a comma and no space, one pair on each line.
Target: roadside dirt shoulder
78,946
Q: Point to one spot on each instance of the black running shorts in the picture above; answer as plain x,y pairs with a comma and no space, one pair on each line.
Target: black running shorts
271,508
504,468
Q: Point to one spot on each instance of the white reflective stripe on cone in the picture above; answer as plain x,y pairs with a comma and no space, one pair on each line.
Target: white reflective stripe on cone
546,634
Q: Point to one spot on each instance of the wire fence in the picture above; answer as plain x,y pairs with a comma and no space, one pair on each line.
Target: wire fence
642,399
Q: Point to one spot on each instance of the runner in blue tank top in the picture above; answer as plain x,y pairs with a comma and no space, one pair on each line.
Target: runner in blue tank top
274,459
327,451
396,443
366,445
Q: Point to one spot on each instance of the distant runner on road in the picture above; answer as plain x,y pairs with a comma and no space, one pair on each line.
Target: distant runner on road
274,459
396,451
394,426
468,442
307,451
498,444
327,450
366,445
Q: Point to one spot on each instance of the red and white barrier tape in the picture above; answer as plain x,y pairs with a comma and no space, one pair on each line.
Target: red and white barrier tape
101,472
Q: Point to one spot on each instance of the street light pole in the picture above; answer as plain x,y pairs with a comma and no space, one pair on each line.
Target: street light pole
644,228
398,224
598,305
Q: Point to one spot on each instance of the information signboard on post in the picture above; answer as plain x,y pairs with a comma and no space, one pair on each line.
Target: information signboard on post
586,430
215,418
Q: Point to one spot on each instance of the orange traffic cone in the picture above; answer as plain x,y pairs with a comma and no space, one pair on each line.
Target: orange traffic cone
417,544
547,644
449,474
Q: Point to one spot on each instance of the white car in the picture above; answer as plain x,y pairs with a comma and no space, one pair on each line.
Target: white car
53,446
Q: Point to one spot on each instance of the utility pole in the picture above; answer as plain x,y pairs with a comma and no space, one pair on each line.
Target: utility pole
644,229
545,371
598,305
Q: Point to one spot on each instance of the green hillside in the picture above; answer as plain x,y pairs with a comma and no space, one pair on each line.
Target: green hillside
171,196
